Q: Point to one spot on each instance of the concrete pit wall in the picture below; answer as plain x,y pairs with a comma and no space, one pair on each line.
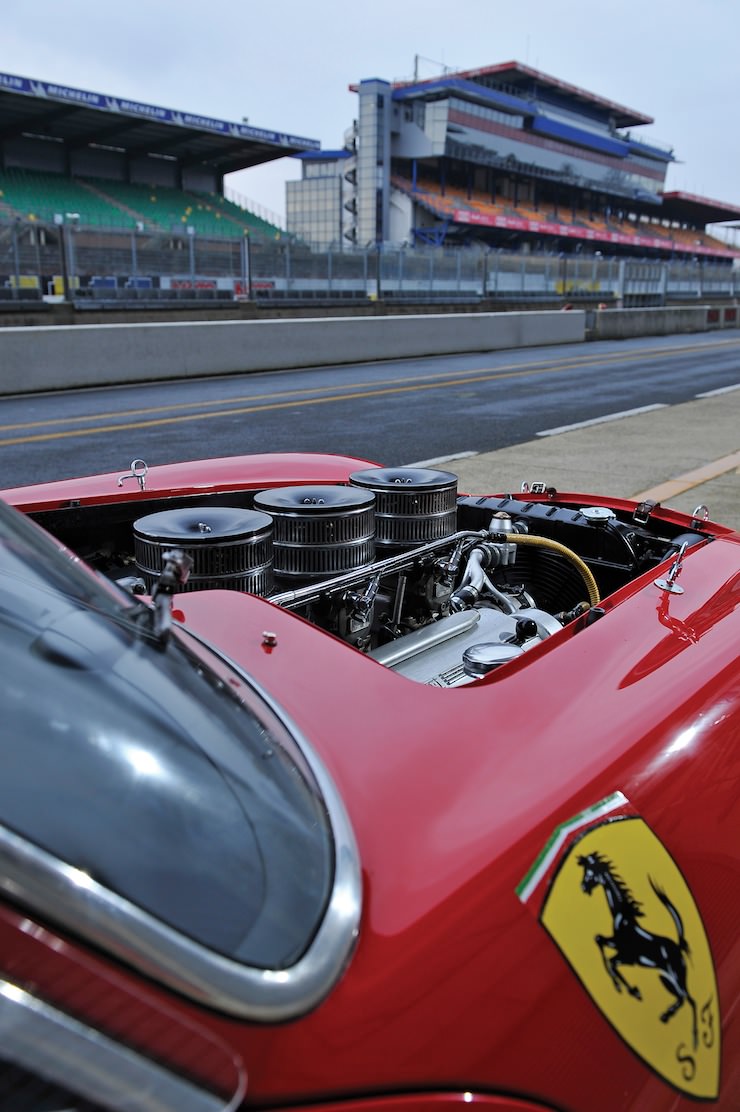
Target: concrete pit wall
624,324
65,357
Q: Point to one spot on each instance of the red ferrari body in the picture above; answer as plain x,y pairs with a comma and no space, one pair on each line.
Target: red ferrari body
524,729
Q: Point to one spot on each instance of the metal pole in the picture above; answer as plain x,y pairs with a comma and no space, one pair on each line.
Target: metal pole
69,230
621,283
16,264
59,221
34,238
247,264
191,252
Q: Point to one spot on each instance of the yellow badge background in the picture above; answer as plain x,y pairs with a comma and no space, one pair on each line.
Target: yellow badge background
573,918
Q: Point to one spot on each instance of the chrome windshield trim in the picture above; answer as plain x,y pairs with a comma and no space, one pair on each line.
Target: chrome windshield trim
47,1042
70,898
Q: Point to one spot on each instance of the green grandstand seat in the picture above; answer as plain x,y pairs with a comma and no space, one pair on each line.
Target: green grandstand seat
175,210
99,202
35,195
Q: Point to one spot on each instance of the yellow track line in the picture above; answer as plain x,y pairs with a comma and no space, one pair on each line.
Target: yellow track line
481,374
413,388
434,381
664,492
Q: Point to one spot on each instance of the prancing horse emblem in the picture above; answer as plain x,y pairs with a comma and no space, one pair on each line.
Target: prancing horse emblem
641,951
632,944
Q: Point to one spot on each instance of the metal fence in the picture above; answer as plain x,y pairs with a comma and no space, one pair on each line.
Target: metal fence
64,262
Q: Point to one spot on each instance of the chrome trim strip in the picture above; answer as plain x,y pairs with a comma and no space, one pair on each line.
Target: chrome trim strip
45,1041
385,566
70,898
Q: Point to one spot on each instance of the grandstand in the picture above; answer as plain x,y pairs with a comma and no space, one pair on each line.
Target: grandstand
115,163
105,200
103,194
507,157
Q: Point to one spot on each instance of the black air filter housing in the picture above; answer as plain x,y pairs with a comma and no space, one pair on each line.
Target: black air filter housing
230,547
413,505
320,531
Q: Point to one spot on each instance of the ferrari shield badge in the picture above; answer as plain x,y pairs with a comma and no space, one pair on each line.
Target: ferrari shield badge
617,906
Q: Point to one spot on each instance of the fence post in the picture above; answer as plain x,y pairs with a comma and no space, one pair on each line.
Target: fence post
246,263
621,282
69,231
16,263
59,221
191,254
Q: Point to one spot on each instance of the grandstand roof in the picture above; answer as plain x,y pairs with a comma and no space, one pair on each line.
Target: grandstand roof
78,117
698,211
324,155
520,77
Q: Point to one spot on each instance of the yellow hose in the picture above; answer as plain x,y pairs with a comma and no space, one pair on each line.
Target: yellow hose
555,546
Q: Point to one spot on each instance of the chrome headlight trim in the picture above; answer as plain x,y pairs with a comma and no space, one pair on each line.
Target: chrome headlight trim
70,898
60,1049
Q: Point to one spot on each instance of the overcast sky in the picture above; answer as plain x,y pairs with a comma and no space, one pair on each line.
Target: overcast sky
286,64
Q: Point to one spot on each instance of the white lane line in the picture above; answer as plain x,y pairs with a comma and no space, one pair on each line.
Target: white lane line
441,459
602,420
720,390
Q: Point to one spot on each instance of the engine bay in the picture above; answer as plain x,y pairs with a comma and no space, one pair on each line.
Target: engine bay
439,587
